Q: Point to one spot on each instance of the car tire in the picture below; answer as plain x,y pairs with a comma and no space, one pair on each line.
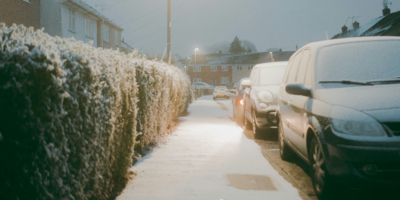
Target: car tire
256,131
323,184
285,151
214,98
227,97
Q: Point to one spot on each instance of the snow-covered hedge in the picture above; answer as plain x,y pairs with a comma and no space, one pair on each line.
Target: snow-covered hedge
69,114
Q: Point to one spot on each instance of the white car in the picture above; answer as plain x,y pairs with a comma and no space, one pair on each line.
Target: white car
202,85
221,92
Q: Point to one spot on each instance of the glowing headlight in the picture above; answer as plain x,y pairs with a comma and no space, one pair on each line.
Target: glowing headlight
352,122
241,102
265,97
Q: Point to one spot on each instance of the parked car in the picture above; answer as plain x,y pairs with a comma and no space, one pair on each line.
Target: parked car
238,101
339,110
221,92
203,85
260,99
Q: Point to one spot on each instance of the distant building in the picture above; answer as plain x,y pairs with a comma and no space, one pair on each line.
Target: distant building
26,12
75,18
227,69
387,25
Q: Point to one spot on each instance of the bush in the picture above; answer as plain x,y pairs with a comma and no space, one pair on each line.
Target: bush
69,114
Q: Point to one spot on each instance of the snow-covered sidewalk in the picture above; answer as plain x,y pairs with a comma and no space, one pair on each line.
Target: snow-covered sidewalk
207,158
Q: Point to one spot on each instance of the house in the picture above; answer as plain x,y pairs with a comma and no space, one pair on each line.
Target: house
386,25
75,18
26,12
125,47
227,69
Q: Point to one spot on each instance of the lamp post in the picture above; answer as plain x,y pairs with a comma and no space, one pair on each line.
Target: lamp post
195,72
272,56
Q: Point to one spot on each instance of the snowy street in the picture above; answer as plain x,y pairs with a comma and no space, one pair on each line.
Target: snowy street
208,157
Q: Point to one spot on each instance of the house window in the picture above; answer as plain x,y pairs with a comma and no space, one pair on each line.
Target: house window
224,80
116,39
89,27
196,80
71,25
106,35
214,68
197,69
225,68
27,1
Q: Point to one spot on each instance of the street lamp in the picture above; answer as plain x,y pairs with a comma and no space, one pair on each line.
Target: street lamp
195,74
272,56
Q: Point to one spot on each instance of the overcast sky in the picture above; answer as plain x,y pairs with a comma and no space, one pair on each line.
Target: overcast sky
266,23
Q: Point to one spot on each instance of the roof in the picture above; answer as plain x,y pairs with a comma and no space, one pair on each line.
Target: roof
93,11
272,64
388,25
249,58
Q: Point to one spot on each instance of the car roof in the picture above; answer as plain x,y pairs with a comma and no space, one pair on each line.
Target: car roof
317,45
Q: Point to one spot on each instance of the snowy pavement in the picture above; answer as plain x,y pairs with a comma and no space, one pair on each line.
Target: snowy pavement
208,157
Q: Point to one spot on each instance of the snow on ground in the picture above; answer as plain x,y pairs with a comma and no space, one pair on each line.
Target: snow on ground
208,157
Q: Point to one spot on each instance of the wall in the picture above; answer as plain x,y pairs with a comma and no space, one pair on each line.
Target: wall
111,41
79,33
20,12
50,17
245,72
207,75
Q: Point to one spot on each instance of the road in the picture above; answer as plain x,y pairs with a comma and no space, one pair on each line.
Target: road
210,157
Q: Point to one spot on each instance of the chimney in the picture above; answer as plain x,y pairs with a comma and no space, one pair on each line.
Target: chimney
356,25
344,29
386,11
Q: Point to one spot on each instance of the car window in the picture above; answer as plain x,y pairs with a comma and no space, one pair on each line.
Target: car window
254,77
303,67
294,69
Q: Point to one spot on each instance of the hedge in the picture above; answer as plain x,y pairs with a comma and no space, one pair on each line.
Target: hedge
70,114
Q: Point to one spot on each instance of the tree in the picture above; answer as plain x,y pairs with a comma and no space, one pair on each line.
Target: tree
236,46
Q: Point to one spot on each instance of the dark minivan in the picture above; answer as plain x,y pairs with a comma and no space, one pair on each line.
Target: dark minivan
339,110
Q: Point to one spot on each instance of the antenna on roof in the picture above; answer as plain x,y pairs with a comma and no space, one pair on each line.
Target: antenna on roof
385,3
101,7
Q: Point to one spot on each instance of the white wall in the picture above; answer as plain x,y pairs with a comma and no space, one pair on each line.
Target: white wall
79,33
50,17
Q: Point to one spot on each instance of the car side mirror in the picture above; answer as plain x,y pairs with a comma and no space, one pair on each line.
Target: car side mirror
246,83
298,89
233,91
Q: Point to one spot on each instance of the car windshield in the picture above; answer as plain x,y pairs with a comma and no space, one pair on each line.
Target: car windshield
272,75
358,62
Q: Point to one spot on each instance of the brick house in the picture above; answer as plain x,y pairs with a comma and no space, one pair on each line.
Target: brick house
228,69
26,12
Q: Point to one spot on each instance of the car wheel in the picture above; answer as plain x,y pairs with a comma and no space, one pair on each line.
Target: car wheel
214,98
256,131
322,183
285,151
227,97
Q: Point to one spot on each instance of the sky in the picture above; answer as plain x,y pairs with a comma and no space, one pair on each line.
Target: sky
267,23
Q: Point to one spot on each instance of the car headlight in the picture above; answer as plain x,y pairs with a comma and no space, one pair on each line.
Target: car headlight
352,122
265,97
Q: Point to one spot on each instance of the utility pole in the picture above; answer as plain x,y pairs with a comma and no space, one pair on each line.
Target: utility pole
169,33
